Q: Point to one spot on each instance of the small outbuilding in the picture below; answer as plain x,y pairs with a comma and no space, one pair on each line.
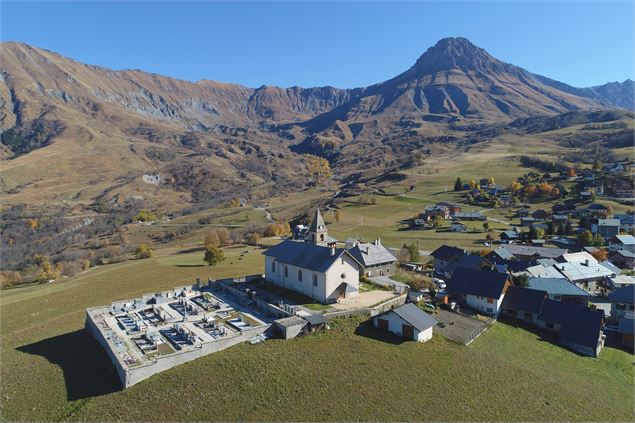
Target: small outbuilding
407,321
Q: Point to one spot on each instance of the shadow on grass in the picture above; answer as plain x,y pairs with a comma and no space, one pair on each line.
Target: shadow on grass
367,330
88,372
190,265
191,250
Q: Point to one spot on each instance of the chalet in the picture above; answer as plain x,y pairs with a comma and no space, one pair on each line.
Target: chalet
622,242
588,274
522,303
560,289
607,228
578,327
313,267
523,212
527,252
482,290
527,221
624,259
509,236
407,321
560,219
540,214
623,313
457,226
375,259
561,208
627,221
443,256
621,281
597,210
469,216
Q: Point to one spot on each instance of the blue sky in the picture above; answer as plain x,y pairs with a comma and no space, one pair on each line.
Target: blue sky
330,43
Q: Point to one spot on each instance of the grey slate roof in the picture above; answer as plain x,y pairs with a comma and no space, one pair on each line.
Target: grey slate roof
609,222
624,239
525,300
529,250
306,255
483,283
415,316
369,254
315,319
447,253
556,286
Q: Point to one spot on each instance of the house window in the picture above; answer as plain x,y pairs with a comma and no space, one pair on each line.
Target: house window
314,280
286,271
490,300
321,237
300,275
273,266
489,310
388,270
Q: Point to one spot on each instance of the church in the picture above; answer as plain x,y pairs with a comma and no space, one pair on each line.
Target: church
314,266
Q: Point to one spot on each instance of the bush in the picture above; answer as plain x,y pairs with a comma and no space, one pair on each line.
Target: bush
143,251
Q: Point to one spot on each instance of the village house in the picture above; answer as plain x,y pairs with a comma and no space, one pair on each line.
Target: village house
622,242
624,259
314,267
584,271
508,237
578,327
620,281
559,289
607,228
482,290
540,214
623,313
407,321
443,256
627,221
375,259
469,216
457,226
525,252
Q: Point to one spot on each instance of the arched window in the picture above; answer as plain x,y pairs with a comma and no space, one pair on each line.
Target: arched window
273,266
300,275
321,237
286,271
314,280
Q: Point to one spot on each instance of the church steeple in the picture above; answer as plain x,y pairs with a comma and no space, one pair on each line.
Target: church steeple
317,231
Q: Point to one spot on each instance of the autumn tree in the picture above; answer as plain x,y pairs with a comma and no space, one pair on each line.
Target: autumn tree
600,255
211,240
338,215
143,251
585,238
571,172
47,272
213,255
472,184
318,167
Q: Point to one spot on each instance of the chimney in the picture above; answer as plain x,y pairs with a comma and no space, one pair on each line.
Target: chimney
332,248
586,262
377,241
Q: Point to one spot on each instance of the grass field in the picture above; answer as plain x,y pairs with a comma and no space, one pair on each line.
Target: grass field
348,373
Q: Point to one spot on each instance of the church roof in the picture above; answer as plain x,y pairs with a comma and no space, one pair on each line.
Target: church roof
317,221
306,255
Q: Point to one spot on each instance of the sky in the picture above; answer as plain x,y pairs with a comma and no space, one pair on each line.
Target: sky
342,44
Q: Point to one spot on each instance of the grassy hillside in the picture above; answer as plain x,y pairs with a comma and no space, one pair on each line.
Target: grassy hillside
51,371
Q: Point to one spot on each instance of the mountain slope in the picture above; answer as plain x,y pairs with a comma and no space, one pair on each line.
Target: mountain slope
76,132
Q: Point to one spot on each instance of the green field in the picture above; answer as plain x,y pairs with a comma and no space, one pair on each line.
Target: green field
52,371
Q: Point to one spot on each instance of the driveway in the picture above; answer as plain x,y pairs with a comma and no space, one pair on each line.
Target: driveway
458,327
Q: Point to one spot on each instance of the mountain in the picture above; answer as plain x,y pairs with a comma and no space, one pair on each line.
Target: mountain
79,133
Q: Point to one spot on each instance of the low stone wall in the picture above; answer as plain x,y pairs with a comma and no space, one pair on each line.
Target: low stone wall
92,329
139,373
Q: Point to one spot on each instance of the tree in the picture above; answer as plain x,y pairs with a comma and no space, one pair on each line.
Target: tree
568,228
338,215
213,255
458,185
211,240
403,256
490,237
414,252
600,255
550,228
486,226
597,164
472,184
585,238
438,220
491,180
319,168
145,216
561,230
47,272
571,172
143,251
521,280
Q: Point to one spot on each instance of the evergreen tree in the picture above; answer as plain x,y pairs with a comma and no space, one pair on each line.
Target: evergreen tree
458,185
